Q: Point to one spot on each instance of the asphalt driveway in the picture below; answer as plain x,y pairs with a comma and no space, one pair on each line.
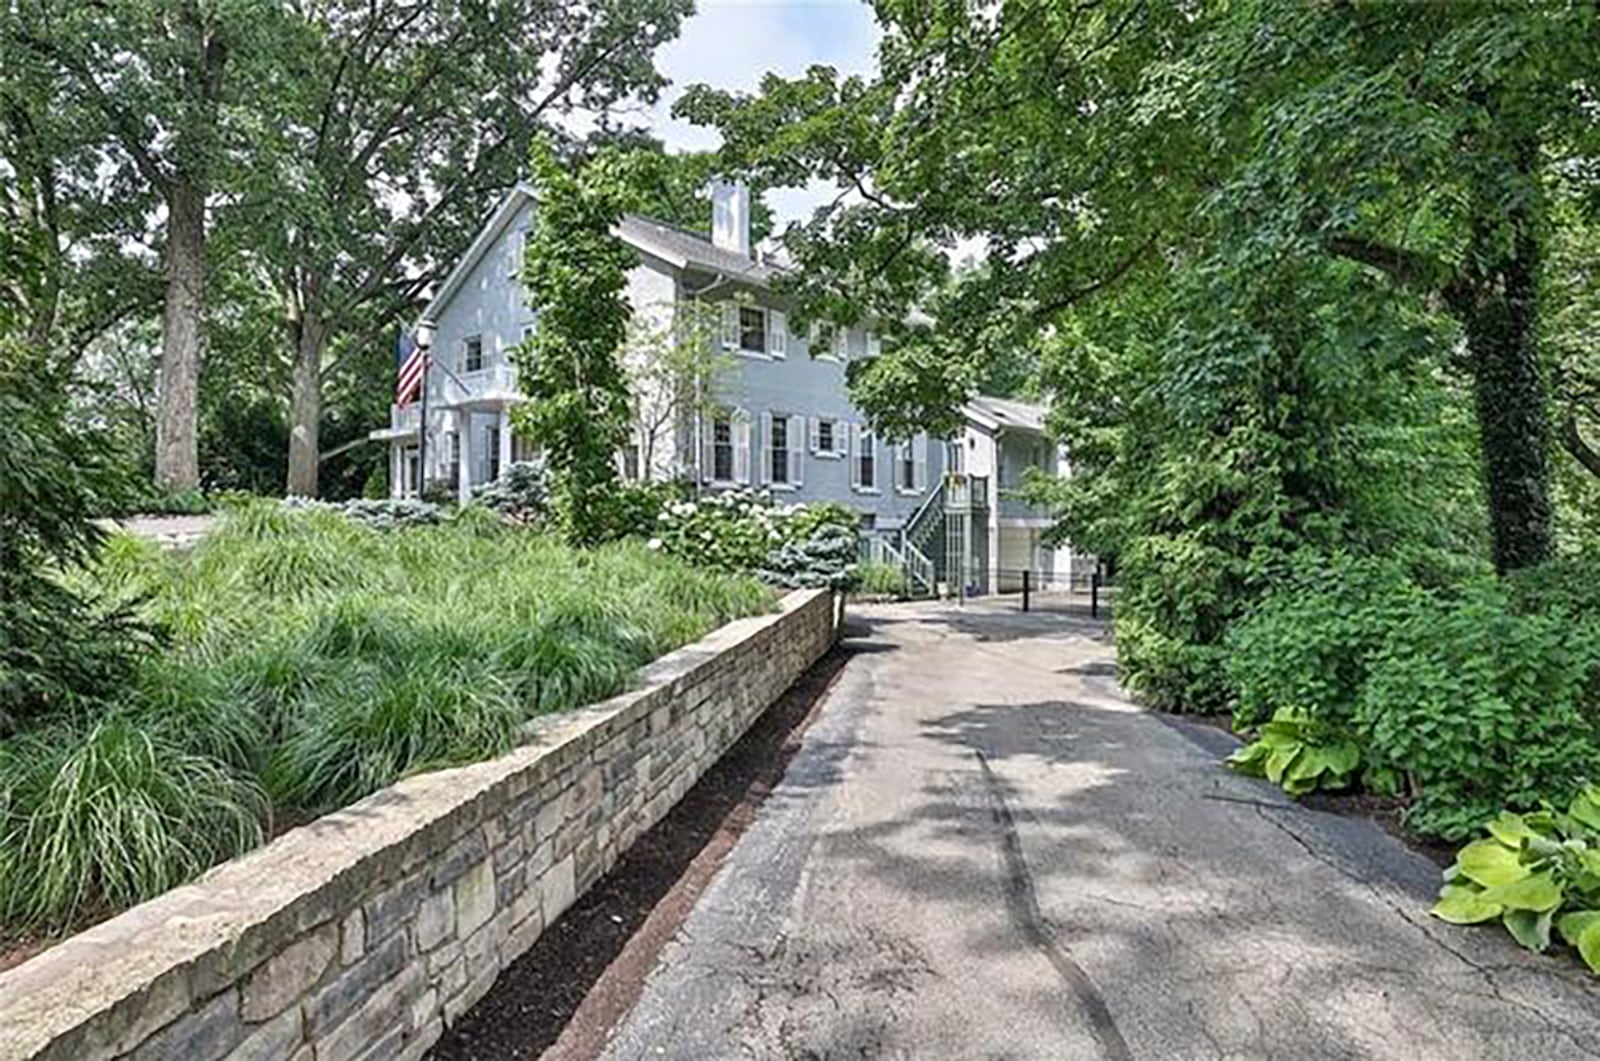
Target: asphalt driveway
984,851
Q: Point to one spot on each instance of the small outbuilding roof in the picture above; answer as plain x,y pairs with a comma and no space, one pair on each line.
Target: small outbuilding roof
998,414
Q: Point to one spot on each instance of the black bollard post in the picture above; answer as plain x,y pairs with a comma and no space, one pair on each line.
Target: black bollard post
1094,595
1027,578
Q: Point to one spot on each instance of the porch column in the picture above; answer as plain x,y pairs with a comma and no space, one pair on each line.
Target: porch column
505,440
464,467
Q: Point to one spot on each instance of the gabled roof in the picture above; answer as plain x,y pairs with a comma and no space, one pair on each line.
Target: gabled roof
997,414
690,250
678,247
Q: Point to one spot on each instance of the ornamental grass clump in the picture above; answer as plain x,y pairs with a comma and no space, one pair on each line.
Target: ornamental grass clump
101,815
310,659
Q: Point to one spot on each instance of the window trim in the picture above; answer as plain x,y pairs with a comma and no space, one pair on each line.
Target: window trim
863,444
717,419
750,351
837,346
466,354
906,460
832,451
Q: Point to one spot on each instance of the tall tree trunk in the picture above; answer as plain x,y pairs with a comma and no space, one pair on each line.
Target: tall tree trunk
1500,319
305,406
177,451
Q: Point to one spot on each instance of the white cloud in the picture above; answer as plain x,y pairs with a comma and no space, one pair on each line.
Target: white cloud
731,44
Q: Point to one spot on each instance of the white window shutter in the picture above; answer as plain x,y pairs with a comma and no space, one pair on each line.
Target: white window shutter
708,448
920,445
841,343
730,325
778,334
815,438
874,345
766,447
797,453
741,447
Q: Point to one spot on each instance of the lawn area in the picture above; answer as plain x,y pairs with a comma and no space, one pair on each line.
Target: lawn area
305,661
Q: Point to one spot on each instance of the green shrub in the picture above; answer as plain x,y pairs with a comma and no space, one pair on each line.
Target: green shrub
731,531
744,531
637,507
1533,872
824,558
1308,644
521,494
153,500
1475,695
104,816
62,647
1176,598
1480,706
882,580
379,514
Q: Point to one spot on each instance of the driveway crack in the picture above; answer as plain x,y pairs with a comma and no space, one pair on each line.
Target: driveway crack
1487,972
1022,903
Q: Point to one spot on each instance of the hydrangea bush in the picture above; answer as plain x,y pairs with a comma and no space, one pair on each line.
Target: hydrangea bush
746,531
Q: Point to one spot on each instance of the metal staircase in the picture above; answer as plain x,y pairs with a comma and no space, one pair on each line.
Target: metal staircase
936,544
922,537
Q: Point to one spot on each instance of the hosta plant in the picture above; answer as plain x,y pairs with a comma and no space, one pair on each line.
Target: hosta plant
1534,872
1299,753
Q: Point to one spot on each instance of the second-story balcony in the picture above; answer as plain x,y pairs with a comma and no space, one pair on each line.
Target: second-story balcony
491,387
403,422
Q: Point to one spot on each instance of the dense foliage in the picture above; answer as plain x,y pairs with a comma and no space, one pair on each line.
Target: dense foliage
314,660
60,649
575,271
1471,695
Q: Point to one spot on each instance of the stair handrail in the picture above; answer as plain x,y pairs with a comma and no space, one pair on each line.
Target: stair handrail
919,517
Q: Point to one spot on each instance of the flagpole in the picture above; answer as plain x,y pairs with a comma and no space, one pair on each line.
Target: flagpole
424,340
422,434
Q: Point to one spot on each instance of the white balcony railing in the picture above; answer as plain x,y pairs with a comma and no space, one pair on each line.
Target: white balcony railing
405,417
496,383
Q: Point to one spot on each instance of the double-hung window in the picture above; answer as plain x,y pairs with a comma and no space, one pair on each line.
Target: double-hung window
778,449
753,329
825,437
865,464
472,354
722,448
908,467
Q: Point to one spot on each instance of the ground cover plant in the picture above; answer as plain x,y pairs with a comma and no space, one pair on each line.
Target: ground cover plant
1534,872
311,660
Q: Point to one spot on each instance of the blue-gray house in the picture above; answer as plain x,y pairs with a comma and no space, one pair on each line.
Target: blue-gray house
780,421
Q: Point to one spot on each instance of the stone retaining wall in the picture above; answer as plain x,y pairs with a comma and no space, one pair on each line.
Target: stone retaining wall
364,933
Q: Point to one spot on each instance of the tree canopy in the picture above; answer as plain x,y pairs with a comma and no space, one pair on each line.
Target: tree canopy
1282,264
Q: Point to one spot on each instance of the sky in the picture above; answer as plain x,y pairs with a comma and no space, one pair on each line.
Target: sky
731,43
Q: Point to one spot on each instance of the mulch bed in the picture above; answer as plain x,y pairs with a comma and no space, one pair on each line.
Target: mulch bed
586,970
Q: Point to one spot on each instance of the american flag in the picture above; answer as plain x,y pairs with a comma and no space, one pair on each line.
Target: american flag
412,359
